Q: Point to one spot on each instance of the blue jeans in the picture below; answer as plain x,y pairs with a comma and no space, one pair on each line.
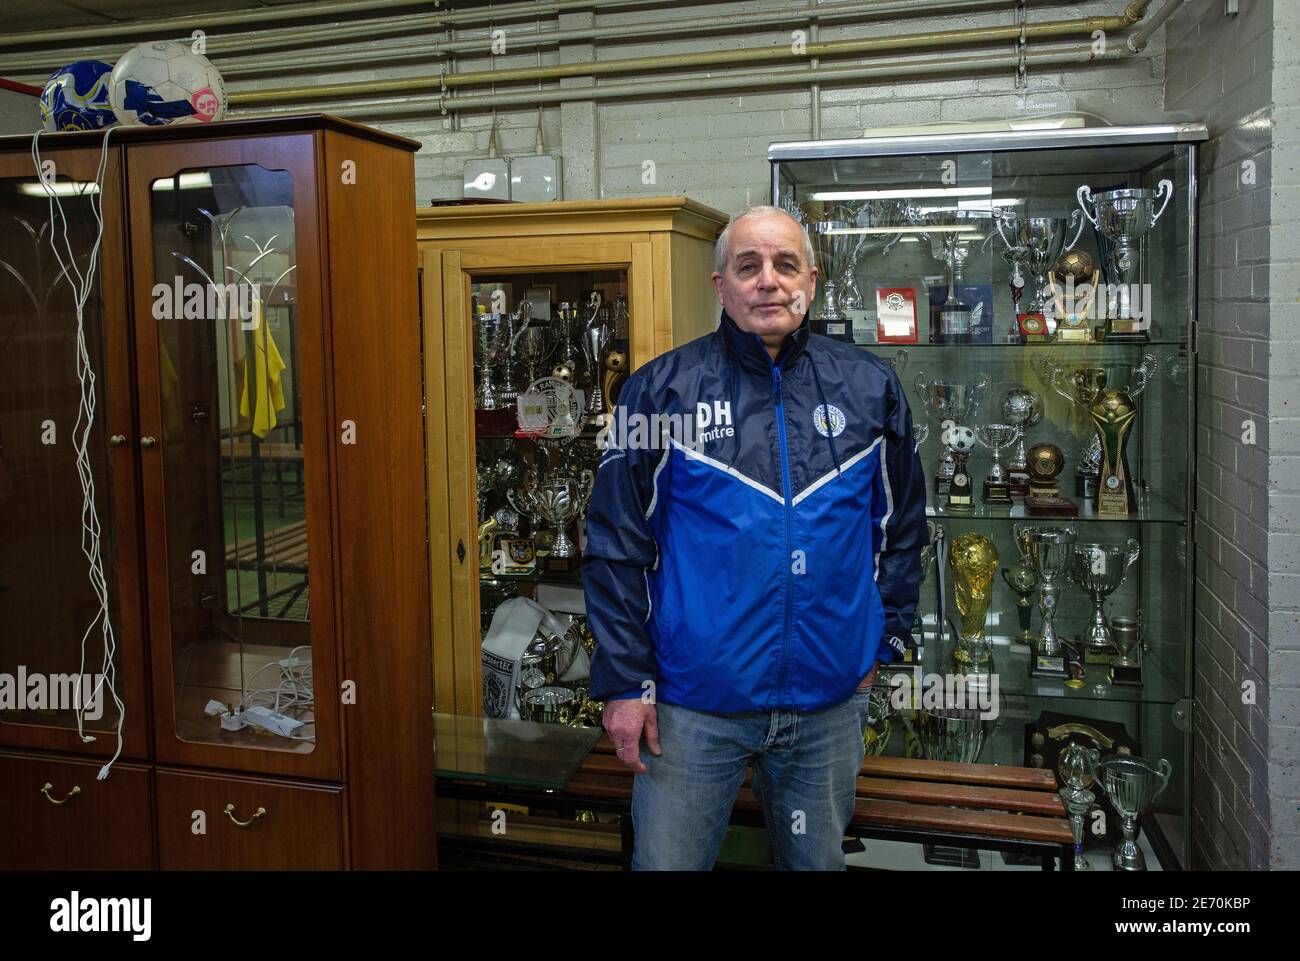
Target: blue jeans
805,766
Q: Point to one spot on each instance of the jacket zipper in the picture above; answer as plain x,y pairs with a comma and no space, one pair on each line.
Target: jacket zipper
789,523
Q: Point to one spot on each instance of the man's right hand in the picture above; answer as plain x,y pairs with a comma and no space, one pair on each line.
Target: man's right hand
624,720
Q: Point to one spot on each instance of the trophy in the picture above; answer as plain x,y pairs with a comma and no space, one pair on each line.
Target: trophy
1082,386
1123,217
1044,462
996,437
1099,570
1132,784
1023,582
566,318
1077,768
594,340
1016,258
876,217
1113,413
516,325
927,560
1048,550
1126,632
835,248
1073,302
952,243
1043,240
880,713
1023,409
973,560
534,345
948,401
558,501
959,441
951,734
615,374
492,330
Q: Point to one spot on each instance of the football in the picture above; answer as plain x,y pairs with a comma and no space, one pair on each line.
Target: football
959,439
76,97
163,83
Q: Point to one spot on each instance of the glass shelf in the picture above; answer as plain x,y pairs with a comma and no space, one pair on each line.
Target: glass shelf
1152,509
1038,344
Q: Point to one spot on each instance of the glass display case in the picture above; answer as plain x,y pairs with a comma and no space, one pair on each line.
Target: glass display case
1035,291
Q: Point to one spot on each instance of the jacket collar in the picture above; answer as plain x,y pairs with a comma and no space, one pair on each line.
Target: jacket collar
749,349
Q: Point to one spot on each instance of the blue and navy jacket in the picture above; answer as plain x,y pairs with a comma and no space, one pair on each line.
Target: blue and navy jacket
757,544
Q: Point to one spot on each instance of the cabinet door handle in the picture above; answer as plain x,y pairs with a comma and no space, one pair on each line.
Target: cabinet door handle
230,813
47,787
147,442
117,440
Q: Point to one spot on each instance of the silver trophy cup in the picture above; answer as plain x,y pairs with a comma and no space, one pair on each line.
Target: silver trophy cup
835,249
1048,550
1132,784
1123,216
1077,767
1043,240
1099,570
946,400
1022,408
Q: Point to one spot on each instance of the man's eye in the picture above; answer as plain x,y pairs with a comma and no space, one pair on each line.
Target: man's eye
746,267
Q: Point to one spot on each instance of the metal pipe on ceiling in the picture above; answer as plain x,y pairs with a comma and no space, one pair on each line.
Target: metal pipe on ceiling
941,38
268,42
797,76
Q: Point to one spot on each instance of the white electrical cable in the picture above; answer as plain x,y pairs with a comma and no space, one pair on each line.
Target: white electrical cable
82,290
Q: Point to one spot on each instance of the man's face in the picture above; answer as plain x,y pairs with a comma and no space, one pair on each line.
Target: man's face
767,286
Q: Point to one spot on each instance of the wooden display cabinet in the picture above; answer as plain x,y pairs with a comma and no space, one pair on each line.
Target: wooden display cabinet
655,253
257,454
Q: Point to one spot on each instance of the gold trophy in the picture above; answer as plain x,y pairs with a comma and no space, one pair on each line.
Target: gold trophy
973,560
1113,413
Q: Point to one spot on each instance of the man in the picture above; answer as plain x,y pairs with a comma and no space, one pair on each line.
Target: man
744,577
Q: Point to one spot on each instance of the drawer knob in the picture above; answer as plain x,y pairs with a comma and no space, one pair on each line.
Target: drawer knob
47,787
230,813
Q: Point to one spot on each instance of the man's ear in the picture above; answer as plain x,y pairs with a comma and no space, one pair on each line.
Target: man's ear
717,286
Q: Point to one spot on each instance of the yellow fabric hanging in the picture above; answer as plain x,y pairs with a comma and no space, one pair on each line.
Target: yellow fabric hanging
267,366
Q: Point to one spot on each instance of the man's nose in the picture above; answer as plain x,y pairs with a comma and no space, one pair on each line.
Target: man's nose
767,276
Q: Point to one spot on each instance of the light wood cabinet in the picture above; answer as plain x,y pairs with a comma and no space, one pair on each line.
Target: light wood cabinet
654,253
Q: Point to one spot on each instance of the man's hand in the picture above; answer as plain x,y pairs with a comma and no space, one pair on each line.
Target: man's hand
870,679
624,720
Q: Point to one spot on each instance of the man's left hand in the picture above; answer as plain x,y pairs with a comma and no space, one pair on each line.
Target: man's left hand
870,679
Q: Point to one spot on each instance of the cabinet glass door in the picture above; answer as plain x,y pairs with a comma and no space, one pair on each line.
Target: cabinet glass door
54,630
1014,339
241,514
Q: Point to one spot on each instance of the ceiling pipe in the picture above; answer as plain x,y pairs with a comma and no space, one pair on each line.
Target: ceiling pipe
599,68
267,42
1138,39
740,80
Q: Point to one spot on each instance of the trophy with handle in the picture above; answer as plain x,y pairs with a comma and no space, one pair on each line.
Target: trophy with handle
997,437
1123,217
492,333
953,237
1099,570
1132,784
946,401
1023,409
1043,240
835,248
1048,550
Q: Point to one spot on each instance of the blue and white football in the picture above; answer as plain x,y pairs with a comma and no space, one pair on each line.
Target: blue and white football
76,97
164,83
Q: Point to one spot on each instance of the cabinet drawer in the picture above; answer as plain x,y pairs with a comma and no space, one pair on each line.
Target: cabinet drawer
301,829
100,825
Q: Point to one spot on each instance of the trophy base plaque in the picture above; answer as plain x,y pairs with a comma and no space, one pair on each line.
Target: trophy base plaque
959,499
1042,502
841,328
1125,675
1048,665
942,484
997,495
1067,333
1092,655
1125,332
1085,486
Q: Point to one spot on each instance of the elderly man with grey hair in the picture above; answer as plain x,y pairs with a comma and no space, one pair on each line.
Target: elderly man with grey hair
745,578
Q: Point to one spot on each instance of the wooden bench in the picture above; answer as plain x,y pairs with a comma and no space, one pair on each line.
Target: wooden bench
979,806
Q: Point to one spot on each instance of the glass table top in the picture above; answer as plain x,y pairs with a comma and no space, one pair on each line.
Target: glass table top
522,753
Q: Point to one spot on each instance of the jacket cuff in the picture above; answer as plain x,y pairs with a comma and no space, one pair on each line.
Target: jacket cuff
626,695
891,649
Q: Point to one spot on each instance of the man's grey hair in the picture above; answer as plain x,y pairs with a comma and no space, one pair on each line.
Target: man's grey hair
721,248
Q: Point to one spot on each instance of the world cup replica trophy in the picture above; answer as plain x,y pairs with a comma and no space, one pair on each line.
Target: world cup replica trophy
1099,570
1048,550
1043,240
1077,768
1132,784
1123,217
973,561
